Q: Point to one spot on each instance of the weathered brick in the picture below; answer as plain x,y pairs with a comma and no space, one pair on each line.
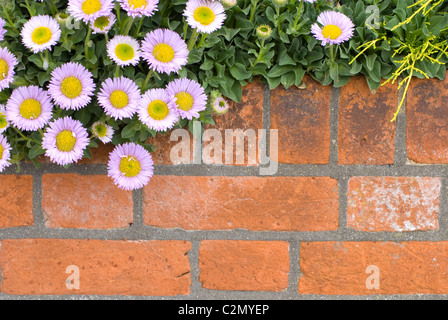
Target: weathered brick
106,267
88,202
349,268
393,203
427,121
181,144
244,265
302,118
254,203
16,199
246,116
365,133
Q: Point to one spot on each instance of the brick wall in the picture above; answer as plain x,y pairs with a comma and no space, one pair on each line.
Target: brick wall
355,196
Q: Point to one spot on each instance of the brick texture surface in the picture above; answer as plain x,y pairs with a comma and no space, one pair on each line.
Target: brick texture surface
39,267
215,203
393,203
366,135
87,202
368,268
246,116
347,213
16,201
244,265
427,121
302,118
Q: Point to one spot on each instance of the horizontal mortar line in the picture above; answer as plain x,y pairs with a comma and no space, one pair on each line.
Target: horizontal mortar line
148,233
231,295
284,170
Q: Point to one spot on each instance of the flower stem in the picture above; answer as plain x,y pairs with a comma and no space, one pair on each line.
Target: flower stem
139,26
28,7
117,71
128,25
299,14
86,43
23,136
117,11
147,80
252,10
204,35
193,39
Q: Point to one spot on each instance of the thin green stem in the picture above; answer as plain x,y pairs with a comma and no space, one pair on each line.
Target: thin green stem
106,37
299,14
41,132
204,36
23,136
193,39
86,43
128,25
252,10
8,17
139,26
332,53
117,71
148,76
117,12
28,7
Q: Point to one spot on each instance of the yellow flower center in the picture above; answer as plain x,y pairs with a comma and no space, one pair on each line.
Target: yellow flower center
138,3
1,151
130,166
71,87
101,130
124,52
163,52
3,122
41,35
119,99
30,109
158,110
184,101
204,15
331,31
101,22
65,141
4,69
91,6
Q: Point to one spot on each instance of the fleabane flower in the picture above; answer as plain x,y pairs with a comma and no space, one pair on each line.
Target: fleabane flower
7,64
165,51
40,33
4,124
124,50
89,10
139,8
65,140
220,105
29,108
5,153
102,131
157,110
130,166
204,15
71,86
119,97
102,24
2,29
336,28
189,96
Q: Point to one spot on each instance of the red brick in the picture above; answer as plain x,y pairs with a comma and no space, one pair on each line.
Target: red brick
393,203
16,199
365,133
38,267
88,202
244,265
302,118
162,155
427,121
253,203
335,268
246,115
